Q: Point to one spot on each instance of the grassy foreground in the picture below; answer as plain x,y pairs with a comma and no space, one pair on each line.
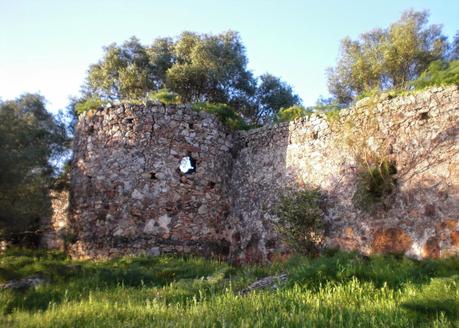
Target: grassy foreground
339,290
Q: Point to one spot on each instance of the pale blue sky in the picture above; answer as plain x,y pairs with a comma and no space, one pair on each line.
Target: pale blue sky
46,46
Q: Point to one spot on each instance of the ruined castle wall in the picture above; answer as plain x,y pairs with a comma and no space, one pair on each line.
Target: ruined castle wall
128,194
419,133
53,227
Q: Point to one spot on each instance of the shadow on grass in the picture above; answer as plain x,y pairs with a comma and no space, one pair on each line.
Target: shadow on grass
76,280
441,295
392,270
179,280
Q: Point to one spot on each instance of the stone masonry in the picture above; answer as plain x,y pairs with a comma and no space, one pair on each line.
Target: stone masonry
128,195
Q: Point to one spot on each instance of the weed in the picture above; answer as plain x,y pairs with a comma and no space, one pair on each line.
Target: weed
301,220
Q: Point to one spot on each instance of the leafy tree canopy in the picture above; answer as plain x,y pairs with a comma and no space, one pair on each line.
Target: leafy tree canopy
439,73
272,95
197,67
30,139
388,58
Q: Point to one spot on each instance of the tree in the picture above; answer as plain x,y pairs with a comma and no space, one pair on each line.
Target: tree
197,67
125,72
211,68
439,73
386,58
162,57
272,95
454,49
30,140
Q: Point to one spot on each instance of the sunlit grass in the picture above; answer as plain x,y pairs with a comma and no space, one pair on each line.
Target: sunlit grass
340,290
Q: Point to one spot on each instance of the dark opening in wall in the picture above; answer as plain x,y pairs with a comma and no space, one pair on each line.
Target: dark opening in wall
211,185
153,176
191,126
187,165
424,116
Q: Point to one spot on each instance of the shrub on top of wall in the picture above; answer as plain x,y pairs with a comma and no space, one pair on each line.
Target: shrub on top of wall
301,223
88,104
225,113
291,113
438,73
165,97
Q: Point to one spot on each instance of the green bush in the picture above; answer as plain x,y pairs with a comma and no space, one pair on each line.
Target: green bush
225,113
165,97
88,104
301,220
332,116
291,113
438,73
374,182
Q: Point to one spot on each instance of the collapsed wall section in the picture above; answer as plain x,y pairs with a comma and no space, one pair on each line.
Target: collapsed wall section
418,133
128,193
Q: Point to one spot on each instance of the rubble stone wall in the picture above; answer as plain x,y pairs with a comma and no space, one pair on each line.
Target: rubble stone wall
55,225
128,195
419,133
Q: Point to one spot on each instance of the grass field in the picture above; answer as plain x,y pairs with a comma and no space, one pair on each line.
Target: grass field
339,290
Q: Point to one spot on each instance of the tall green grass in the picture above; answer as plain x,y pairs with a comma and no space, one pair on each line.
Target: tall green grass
338,290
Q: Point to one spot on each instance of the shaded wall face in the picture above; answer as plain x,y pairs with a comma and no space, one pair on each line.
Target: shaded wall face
419,218
128,193
54,226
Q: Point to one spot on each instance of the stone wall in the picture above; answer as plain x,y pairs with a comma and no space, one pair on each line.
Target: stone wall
128,195
53,227
419,133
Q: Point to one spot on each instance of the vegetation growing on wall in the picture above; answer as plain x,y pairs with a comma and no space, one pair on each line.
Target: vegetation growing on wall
87,104
374,182
361,134
437,74
225,113
291,113
301,222
164,96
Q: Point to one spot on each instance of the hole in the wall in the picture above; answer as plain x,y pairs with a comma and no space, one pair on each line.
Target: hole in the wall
191,126
424,116
153,176
187,165
211,185
129,120
91,130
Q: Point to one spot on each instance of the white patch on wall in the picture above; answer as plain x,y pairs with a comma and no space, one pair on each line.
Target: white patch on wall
187,165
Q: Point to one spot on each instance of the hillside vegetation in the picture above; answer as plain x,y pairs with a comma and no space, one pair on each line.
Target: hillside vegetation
339,290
